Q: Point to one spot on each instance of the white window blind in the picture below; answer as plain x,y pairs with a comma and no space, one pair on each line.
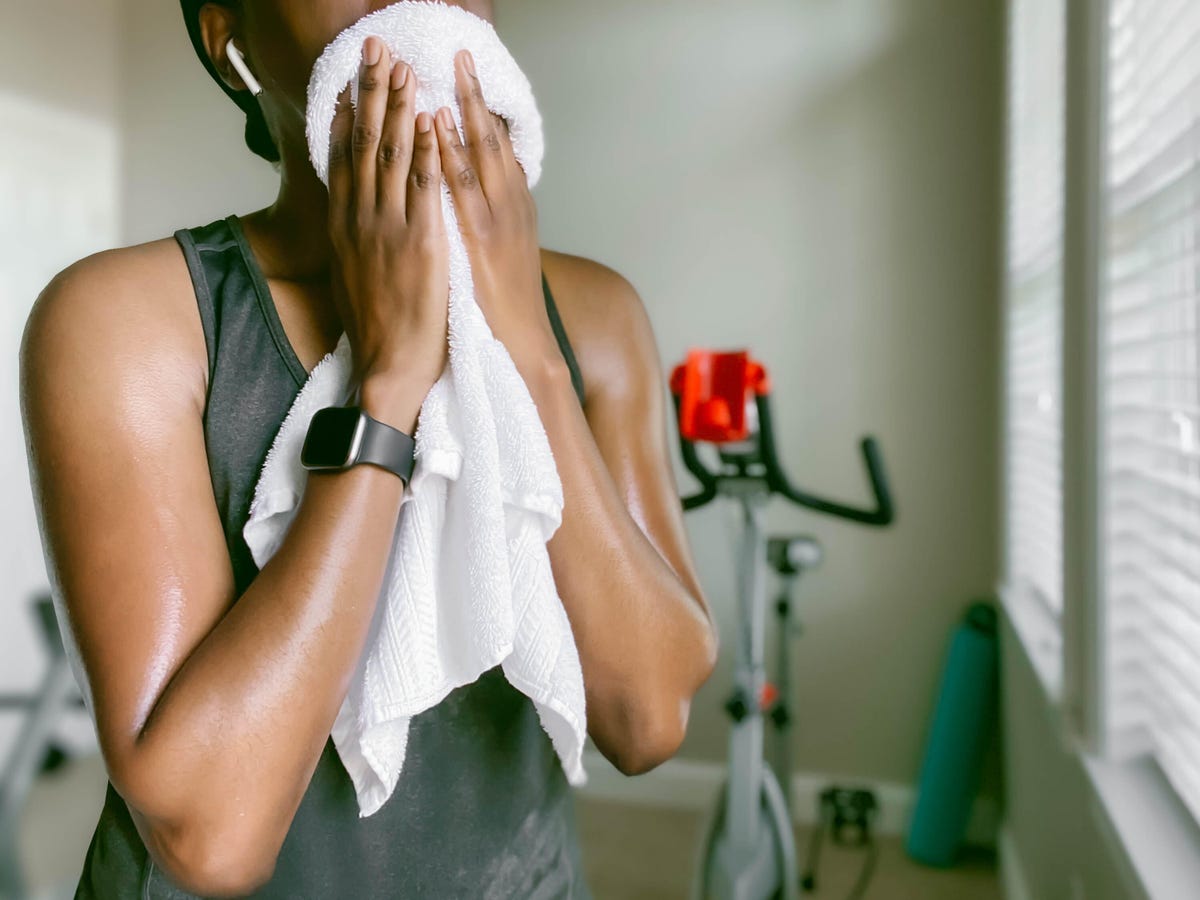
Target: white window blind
1033,316
1150,476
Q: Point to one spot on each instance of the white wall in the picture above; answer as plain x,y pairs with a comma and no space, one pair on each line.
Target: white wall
62,53
59,102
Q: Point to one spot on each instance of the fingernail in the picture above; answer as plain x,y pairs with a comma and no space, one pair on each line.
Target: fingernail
399,75
371,51
424,121
447,119
468,61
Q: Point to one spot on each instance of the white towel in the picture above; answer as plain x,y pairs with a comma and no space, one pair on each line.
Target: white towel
469,584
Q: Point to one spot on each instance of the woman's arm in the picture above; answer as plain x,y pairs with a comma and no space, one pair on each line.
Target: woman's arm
621,559
212,709
645,635
211,714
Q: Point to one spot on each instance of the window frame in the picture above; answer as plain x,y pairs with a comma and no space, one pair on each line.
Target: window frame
1135,806
1040,627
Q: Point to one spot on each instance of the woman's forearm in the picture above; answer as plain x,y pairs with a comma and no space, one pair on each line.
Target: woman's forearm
224,757
646,642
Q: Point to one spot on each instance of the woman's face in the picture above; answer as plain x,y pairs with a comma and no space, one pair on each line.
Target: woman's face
282,40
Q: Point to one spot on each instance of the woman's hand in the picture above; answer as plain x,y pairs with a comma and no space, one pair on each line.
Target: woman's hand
391,278
497,218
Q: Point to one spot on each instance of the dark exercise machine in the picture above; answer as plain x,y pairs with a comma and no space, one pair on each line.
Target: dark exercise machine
35,750
723,398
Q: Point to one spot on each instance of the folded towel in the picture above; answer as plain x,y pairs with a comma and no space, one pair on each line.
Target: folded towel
468,585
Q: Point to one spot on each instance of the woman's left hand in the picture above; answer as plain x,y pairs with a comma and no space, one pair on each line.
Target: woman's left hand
497,218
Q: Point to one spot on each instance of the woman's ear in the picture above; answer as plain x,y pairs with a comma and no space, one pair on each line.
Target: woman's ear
218,23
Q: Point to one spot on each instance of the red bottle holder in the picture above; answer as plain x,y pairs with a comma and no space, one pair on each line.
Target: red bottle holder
713,387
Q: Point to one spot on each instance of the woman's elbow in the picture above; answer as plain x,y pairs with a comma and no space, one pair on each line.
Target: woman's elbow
206,851
655,728
216,864
653,736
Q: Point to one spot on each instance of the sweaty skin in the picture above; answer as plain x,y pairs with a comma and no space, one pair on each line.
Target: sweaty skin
212,710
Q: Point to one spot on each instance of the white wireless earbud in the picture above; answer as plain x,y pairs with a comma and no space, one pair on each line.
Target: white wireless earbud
239,63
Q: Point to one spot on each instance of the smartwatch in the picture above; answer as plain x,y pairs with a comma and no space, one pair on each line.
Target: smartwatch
340,437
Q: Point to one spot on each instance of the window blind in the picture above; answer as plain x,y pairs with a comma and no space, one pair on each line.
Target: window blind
1033,313
1150,475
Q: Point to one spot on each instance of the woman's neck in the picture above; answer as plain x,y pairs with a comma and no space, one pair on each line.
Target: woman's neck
293,232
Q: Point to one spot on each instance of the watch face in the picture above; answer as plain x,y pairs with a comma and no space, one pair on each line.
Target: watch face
331,437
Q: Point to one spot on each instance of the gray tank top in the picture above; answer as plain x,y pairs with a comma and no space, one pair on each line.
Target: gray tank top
483,808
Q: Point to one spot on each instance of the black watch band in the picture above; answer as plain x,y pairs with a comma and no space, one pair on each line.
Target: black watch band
383,445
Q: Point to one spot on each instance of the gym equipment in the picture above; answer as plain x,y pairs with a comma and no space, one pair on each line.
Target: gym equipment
34,750
845,812
958,736
723,398
842,810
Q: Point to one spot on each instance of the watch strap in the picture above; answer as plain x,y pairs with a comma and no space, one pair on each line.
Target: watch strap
383,445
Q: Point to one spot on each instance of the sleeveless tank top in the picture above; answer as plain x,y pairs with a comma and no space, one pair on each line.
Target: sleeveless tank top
483,808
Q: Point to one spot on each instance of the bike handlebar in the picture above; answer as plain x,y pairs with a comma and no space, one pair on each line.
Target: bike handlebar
882,513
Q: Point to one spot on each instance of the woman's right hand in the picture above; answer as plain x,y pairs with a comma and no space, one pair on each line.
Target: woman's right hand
390,274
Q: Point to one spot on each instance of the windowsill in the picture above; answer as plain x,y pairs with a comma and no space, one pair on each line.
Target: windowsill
1154,831
1153,835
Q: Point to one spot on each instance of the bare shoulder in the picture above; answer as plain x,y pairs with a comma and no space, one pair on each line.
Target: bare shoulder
605,320
118,319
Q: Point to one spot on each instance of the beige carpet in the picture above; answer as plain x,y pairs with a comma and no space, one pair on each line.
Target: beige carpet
57,825
631,852
643,853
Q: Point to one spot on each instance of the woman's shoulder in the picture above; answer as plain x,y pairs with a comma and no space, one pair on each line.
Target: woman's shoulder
604,317
125,315
585,288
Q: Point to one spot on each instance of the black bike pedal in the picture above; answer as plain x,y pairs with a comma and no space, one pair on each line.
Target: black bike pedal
853,810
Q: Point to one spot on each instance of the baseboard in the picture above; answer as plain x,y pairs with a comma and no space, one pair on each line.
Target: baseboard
693,784
1013,883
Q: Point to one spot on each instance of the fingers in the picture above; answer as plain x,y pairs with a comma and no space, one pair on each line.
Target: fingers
469,200
396,142
506,147
341,178
373,85
483,142
425,177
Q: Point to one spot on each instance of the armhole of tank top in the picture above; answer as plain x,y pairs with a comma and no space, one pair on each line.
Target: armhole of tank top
564,342
147,875
204,302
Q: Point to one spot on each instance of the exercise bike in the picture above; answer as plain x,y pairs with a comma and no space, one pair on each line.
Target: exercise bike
747,851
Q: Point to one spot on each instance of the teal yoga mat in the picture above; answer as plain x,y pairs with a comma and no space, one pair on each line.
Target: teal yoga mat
962,725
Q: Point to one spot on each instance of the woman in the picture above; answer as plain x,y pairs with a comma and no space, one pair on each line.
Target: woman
154,378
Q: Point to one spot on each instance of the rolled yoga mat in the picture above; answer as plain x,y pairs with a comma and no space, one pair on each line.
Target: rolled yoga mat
958,738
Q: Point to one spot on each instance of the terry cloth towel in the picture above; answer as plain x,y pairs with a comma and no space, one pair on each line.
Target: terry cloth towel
468,585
